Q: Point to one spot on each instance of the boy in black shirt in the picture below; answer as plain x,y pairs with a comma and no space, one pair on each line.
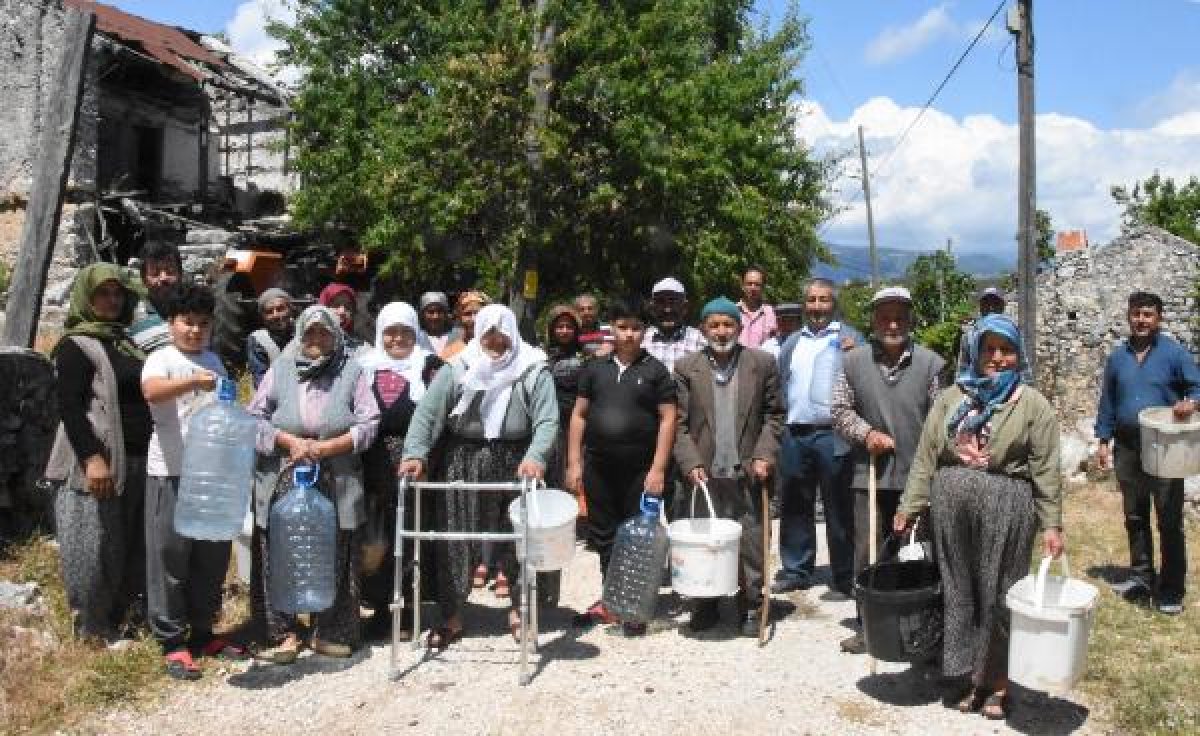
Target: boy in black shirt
621,434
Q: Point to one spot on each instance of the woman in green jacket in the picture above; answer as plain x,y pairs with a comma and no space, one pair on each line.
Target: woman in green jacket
496,407
987,470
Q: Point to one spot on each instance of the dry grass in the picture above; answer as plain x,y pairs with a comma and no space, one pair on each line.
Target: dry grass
43,688
1143,667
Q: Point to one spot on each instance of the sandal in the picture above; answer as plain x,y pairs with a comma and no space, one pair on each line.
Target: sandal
501,590
479,577
219,648
181,666
995,707
285,652
441,637
972,701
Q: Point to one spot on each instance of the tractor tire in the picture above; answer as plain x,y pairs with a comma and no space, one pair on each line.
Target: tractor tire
233,320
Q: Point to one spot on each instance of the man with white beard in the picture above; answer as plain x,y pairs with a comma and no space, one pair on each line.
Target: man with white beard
727,437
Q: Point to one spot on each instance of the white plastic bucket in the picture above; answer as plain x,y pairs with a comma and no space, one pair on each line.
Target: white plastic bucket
552,516
704,553
1170,448
1051,619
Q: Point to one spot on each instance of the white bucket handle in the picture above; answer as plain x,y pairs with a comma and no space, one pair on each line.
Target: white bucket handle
530,492
712,513
1039,589
713,541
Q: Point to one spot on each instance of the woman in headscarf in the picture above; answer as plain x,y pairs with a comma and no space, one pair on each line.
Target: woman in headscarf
497,409
342,300
987,470
315,405
466,307
400,367
100,454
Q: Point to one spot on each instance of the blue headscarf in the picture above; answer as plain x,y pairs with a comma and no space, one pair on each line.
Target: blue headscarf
986,394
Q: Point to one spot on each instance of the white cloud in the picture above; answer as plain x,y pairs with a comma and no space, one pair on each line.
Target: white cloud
248,28
936,24
957,177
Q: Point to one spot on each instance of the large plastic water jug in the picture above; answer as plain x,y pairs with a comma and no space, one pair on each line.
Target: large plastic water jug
636,567
303,546
218,468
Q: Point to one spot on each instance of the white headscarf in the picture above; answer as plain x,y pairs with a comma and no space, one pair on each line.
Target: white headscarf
494,377
412,367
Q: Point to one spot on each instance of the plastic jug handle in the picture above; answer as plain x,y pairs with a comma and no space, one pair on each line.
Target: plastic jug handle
1039,589
313,468
650,505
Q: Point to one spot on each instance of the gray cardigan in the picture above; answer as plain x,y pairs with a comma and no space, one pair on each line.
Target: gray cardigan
532,412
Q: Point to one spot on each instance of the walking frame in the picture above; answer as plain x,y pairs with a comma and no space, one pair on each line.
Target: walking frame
529,622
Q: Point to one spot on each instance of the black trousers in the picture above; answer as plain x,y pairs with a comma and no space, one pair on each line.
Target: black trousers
613,484
1139,492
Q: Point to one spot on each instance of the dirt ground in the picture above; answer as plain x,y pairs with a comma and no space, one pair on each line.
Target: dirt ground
596,682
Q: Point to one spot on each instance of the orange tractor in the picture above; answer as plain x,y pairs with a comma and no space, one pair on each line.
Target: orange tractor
294,263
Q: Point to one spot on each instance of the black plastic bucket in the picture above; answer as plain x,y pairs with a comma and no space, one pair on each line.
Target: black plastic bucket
901,607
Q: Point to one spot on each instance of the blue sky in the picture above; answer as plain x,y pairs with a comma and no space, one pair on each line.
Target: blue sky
1118,97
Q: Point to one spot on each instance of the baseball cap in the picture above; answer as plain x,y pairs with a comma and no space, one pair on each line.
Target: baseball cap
991,291
789,309
668,285
891,294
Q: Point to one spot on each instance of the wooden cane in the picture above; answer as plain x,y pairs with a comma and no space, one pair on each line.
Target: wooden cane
874,531
765,614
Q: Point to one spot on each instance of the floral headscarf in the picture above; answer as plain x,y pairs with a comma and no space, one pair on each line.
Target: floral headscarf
983,395
310,368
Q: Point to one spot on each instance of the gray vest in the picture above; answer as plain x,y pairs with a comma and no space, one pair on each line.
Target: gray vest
337,419
896,408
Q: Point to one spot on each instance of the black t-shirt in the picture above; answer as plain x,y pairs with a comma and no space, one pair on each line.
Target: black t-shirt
624,414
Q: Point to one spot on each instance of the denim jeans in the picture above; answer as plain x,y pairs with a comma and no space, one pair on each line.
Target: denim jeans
808,463
1139,491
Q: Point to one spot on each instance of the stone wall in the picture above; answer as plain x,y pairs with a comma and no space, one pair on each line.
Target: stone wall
1082,305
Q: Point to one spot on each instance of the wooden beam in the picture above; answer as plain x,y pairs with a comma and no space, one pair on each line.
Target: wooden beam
52,168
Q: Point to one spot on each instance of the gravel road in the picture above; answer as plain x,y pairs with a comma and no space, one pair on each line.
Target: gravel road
594,682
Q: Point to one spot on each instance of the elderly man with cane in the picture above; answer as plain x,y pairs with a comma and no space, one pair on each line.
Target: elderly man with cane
880,400
730,420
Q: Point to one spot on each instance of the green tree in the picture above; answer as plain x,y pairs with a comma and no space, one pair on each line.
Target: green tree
668,144
940,291
1045,235
1161,202
854,305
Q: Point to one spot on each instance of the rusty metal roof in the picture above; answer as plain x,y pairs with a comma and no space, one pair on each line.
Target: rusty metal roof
167,44
1071,240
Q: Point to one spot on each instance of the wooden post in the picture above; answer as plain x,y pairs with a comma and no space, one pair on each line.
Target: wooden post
866,185
1027,258
56,144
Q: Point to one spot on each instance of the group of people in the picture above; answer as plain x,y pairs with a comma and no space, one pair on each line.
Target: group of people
640,402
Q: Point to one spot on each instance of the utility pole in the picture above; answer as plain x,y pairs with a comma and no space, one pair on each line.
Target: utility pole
1020,24
866,183
523,293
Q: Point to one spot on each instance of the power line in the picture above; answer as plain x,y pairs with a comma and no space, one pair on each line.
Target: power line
945,80
925,108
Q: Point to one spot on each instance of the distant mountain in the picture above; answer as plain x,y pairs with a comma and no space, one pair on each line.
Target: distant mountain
854,262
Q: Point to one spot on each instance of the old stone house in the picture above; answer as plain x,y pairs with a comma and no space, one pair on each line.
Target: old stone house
169,117
1082,304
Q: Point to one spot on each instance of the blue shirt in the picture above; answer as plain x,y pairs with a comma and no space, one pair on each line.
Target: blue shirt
809,363
1167,375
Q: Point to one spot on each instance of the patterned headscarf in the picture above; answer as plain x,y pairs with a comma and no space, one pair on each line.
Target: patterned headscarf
310,368
983,395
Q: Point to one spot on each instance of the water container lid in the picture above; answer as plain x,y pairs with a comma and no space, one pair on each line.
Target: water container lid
226,389
650,504
305,474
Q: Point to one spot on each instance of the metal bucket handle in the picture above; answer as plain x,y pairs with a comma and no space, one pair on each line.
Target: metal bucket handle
1039,588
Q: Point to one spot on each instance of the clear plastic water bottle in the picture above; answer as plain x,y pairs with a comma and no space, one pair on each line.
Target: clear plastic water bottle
303,546
636,567
218,468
